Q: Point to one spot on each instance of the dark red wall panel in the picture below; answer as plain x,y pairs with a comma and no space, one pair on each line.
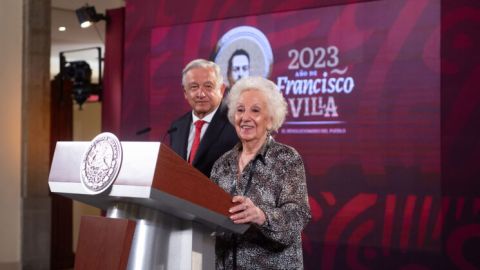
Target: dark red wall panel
400,188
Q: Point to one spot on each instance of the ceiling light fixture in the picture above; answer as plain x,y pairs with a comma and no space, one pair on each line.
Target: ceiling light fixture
87,15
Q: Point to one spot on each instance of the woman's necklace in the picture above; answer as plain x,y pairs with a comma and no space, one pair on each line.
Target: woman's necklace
243,161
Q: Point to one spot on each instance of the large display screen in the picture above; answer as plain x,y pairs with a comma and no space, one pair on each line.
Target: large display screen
361,82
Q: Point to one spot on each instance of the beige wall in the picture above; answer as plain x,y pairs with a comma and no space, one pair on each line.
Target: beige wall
10,136
86,125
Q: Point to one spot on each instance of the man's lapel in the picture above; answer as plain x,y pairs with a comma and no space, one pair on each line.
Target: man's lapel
183,132
212,134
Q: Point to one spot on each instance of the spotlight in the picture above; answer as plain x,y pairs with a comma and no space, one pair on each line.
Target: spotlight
87,15
81,75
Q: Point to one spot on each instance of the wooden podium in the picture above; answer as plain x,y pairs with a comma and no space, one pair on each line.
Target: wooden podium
161,212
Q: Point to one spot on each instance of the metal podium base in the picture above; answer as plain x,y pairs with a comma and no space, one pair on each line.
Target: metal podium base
164,242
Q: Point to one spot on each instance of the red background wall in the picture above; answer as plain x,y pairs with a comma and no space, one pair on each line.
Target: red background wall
393,215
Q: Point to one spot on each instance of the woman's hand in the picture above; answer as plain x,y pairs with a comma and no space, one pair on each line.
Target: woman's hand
246,211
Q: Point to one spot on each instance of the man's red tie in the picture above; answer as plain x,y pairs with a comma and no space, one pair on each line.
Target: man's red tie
196,140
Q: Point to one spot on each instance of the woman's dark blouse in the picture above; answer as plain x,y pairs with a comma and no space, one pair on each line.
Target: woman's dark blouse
278,187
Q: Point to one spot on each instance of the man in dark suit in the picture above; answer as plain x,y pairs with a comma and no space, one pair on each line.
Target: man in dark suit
204,134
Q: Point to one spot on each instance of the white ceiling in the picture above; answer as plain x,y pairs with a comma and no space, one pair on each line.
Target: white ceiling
63,14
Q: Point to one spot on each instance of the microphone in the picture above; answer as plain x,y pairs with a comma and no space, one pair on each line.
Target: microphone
143,131
170,130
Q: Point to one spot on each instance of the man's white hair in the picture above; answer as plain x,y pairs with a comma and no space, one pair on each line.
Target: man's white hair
202,63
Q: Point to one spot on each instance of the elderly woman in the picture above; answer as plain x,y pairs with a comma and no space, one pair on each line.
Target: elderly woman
267,180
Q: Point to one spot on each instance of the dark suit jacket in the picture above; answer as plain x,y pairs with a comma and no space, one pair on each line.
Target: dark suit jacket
219,137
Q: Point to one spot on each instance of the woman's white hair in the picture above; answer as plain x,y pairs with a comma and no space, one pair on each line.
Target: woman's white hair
276,104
